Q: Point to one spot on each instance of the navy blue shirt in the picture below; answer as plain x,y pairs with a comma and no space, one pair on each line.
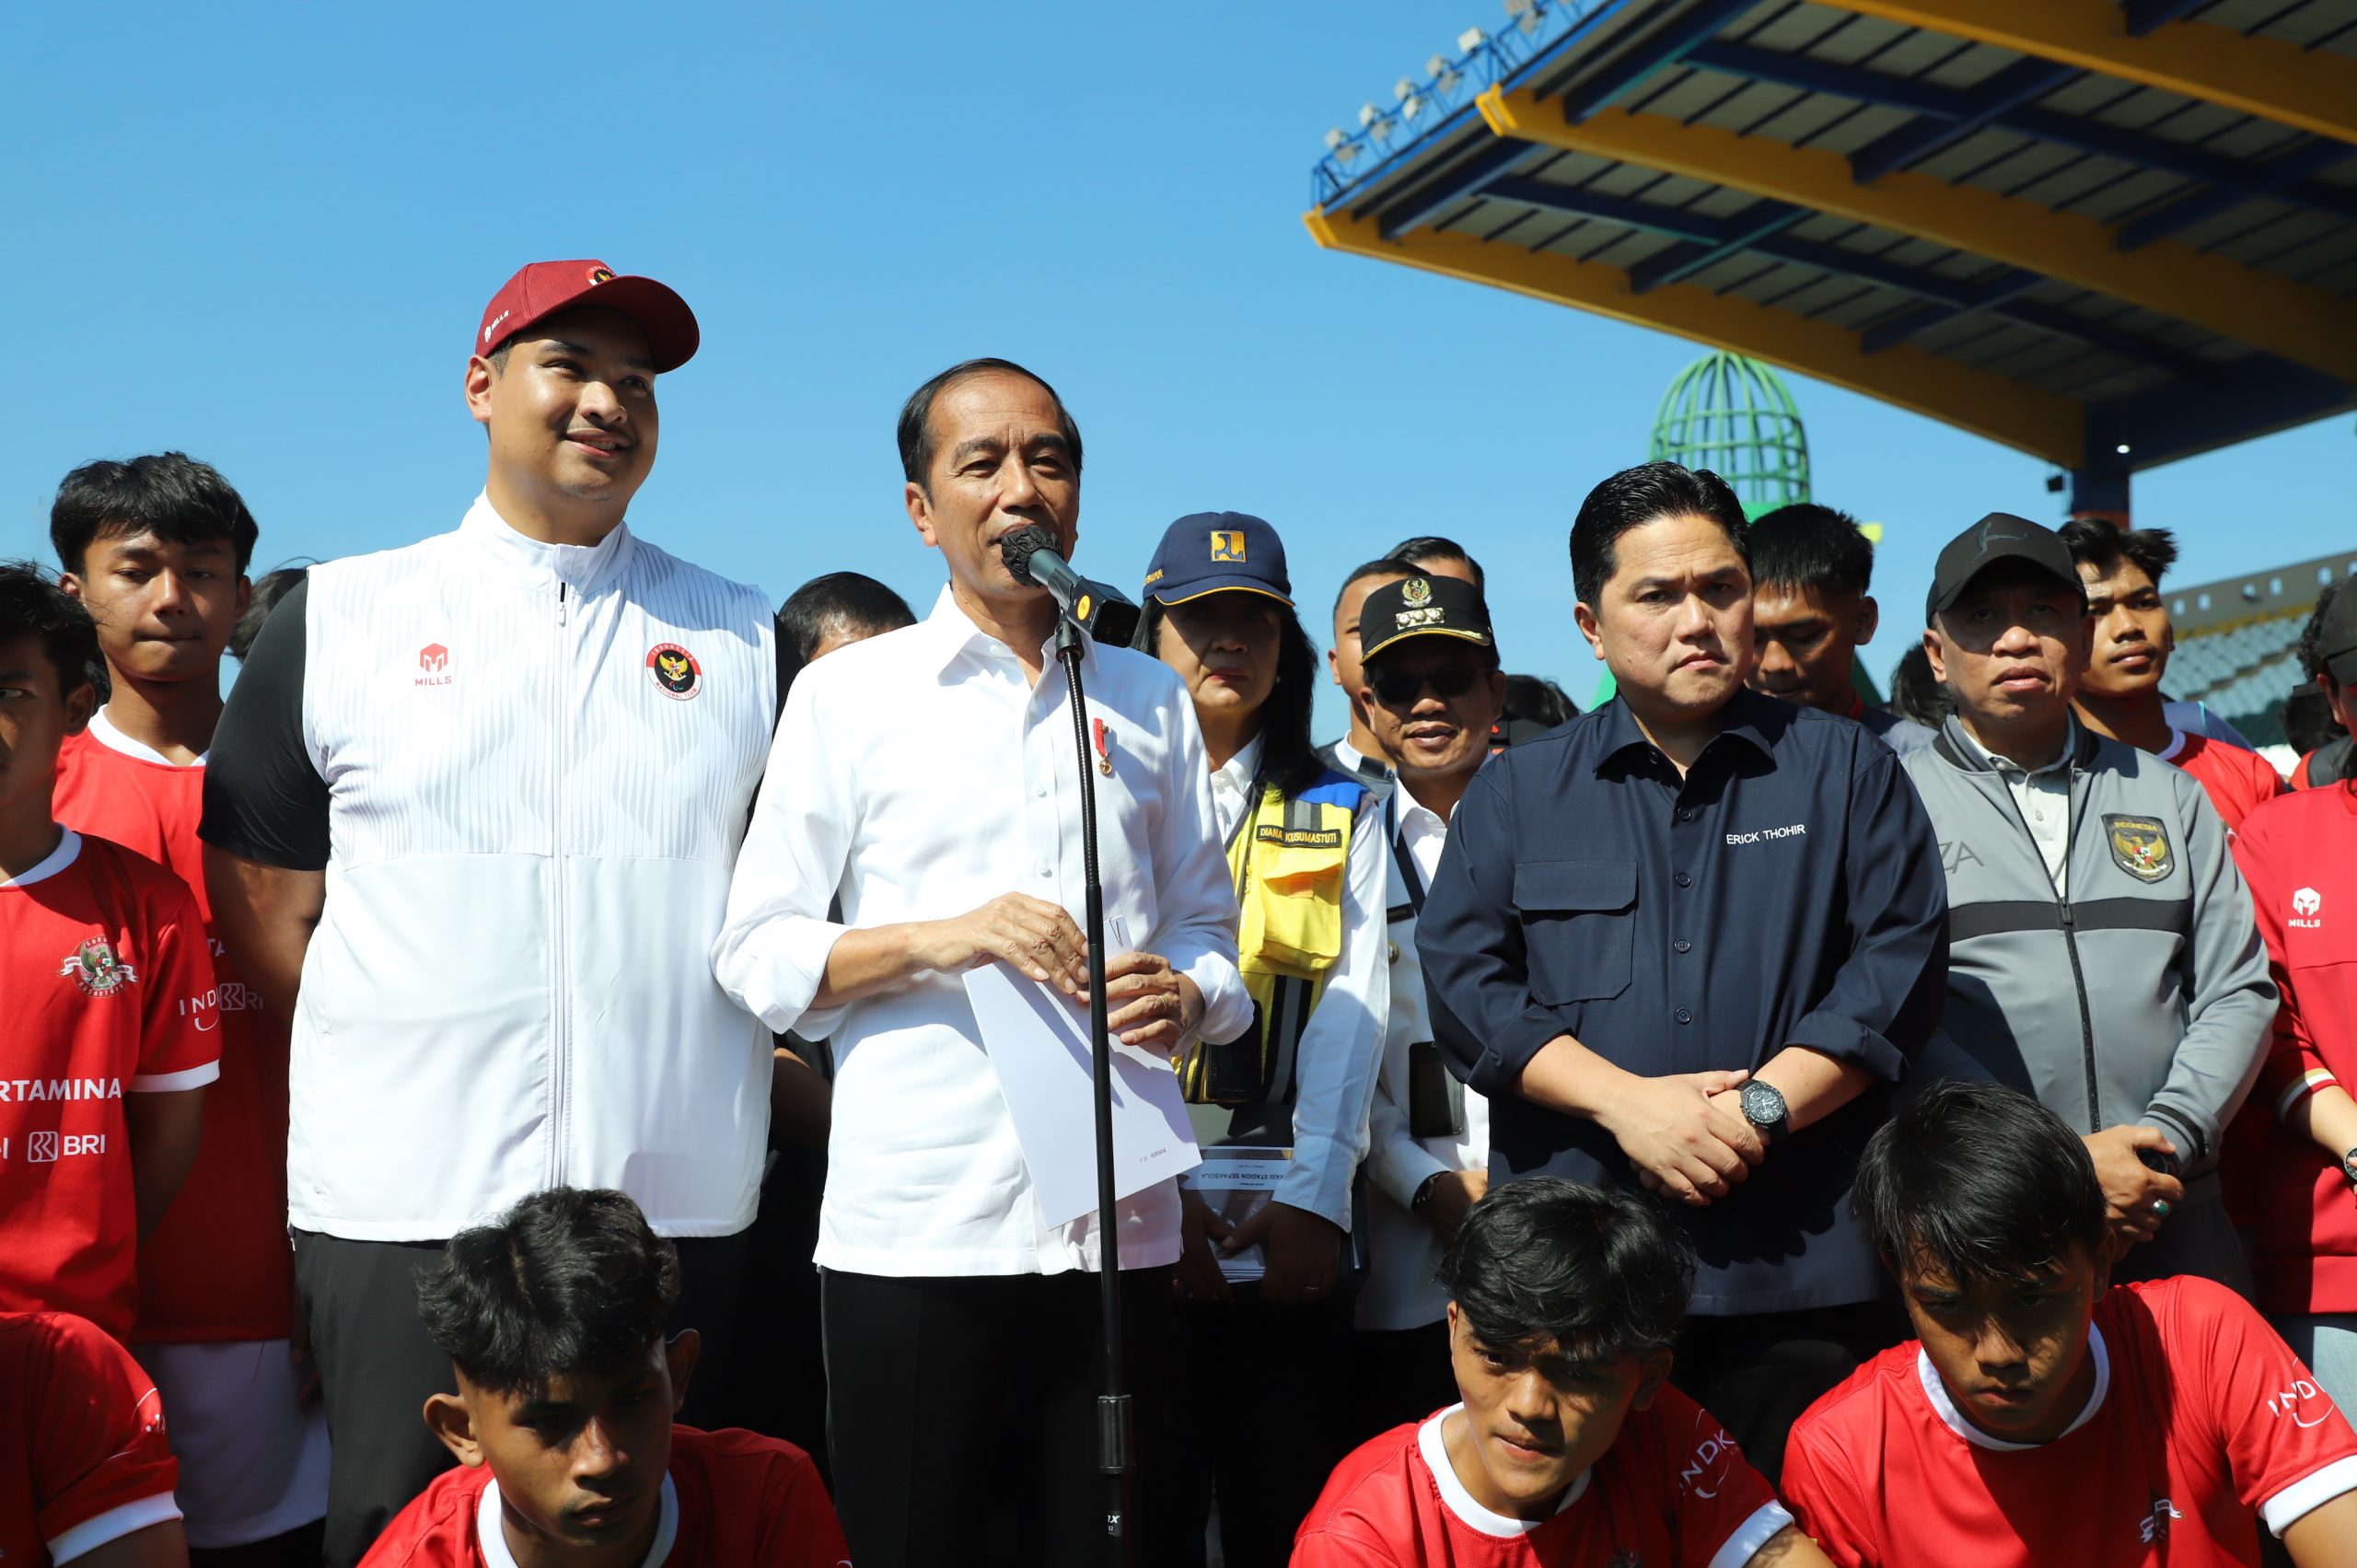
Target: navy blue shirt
1787,891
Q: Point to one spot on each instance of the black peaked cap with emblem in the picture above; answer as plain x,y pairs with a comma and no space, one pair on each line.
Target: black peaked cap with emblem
1422,607
2000,536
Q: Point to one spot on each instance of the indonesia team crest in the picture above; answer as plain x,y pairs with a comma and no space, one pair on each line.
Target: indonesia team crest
674,671
94,968
2140,846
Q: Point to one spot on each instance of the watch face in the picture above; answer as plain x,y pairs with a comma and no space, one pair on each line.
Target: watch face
1762,1104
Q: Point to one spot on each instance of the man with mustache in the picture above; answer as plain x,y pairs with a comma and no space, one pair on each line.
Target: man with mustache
470,823
2103,955
1688,941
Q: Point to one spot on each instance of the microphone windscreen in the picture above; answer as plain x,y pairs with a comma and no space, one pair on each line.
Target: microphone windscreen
1016,548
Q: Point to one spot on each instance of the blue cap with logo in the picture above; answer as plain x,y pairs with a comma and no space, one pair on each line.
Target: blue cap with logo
1209,552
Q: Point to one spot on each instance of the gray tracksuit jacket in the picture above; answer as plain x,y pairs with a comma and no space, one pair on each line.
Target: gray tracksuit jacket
2143,996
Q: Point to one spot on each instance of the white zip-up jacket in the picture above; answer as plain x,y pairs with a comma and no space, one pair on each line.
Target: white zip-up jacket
525,770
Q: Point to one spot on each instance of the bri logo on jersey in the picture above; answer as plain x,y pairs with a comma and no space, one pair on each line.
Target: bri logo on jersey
94,968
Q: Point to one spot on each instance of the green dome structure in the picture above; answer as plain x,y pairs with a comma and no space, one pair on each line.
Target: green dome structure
1736,417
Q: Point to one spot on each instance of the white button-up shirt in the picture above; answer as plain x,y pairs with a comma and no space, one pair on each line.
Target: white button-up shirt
1404,1249
917,776
1340,1046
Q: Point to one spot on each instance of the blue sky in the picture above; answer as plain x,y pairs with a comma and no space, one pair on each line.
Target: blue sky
263,233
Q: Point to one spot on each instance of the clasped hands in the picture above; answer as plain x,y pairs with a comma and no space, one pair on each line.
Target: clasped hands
1685,1135
1148,1004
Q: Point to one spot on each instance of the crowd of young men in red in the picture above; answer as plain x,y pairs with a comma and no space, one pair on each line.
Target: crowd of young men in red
142,1202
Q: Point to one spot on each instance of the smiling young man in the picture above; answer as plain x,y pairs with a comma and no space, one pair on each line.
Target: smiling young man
2102,953
1431,693
1568,1448
113,1026
491,933
156,548
2038,1419
927,779
554,1321
1686,942
1811,614
2119,694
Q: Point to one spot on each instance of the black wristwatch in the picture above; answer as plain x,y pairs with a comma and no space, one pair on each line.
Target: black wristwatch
1763,1106
2349,1169
1424,1192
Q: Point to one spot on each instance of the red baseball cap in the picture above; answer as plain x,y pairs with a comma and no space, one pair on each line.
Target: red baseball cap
540,290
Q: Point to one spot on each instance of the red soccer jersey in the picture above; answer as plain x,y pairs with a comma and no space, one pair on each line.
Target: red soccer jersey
109,988
731,1498
218,1267
1673,1492
82,1459
2299,854
2237,781
2202,1422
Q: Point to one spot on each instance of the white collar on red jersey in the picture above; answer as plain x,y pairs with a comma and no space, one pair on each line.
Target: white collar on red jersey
107,733
1945,1408
494,1541
1461,1501
69,846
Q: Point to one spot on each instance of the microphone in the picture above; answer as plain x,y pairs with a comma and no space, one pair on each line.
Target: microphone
1030,556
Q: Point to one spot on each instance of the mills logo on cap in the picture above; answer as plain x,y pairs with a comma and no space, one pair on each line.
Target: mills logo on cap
1422,607
540,290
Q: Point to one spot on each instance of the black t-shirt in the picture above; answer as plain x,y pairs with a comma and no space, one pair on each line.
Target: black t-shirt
264,800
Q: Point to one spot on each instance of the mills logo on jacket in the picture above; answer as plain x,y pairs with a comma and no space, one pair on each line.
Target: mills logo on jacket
2140,994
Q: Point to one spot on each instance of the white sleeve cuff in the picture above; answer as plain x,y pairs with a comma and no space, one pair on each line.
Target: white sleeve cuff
1755,1532
2304,1497
113,1524
2307,1083
168,1083
1318,1181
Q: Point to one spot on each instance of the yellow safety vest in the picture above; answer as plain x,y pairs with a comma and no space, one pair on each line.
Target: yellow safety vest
1290,863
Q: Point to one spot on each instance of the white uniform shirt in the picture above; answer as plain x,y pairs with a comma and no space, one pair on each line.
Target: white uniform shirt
2044,796
1403,1249
1337,1055
917,776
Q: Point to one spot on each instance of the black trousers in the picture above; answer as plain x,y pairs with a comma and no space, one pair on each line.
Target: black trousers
377,1368
1258,1423
1756,1374
1398,1375
962,1416
779,1388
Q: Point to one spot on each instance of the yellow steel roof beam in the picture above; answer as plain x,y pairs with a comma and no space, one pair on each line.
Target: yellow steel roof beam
2314,90
2305,325
2023,417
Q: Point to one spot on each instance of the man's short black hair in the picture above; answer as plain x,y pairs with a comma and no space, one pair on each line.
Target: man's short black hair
172,494
1603,1273
1426,548
1636,497
269,588
32,605
1805,548
1980,1179
840,601
2310,647
2100,542
916,416
1381,567
567,1281
1916,694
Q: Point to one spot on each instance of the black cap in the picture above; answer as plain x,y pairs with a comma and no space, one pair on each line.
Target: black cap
2336,638
1422,607
2000,536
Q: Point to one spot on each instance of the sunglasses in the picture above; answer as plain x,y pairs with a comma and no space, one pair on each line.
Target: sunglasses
1397,687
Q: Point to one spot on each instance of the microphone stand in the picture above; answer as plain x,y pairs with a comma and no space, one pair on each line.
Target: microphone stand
1115,1434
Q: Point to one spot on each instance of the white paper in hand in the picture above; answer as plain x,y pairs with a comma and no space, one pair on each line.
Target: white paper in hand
1039,1047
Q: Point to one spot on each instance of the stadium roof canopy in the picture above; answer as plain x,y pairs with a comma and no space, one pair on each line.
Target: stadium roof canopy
2110,235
